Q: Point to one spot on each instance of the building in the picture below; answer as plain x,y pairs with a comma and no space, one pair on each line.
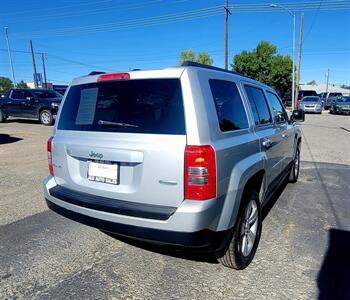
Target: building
321,88
31,85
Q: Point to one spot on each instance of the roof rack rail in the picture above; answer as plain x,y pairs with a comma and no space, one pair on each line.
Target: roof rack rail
195,64
96,73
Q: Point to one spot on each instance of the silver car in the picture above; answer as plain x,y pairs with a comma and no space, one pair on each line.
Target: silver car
184,156
311,104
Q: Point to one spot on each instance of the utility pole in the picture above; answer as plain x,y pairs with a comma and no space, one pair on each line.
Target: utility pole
327,80
10,57
34,66
227,12
44,69
299,57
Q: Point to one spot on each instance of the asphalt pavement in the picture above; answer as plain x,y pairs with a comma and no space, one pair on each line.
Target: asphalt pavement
303,252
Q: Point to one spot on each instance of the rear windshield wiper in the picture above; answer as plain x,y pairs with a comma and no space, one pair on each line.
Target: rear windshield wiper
116,124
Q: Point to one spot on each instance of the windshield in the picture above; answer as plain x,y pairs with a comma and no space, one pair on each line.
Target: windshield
135,106
343,99
311,99
334,94
47,94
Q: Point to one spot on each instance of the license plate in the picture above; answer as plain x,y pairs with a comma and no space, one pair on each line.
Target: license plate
102,172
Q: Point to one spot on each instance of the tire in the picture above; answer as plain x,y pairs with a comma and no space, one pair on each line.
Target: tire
239,254
2,117
294,171
46,117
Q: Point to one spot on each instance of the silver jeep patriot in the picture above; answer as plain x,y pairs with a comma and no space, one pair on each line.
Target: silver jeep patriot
184,156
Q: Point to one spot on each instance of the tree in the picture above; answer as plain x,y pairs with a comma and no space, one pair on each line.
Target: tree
265,65
22,85
5,85
204,58
312,82
189,55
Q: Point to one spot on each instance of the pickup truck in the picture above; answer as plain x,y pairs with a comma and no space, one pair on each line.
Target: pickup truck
328,97
40,104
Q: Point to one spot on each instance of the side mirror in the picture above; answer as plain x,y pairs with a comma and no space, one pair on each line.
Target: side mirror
298,115
30,98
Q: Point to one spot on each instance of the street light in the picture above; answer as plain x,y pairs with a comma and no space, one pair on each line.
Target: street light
10,57
292,13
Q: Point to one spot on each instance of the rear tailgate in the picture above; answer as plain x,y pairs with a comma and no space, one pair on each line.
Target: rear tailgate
124,140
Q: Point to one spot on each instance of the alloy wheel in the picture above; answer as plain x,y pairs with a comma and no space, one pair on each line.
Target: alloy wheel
249,228
296,163
45,117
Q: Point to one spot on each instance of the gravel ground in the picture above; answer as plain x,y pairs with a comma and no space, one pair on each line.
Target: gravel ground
303,252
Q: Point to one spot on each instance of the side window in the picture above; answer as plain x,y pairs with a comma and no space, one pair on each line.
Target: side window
17,94
277,109
27,94
258,104
229,106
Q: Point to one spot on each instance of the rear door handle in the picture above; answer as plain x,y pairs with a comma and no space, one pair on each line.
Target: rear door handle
267,143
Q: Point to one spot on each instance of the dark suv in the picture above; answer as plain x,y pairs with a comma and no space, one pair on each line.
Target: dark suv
41,104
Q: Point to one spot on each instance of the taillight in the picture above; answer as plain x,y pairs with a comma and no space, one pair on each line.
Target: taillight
200,173
49,155
113,76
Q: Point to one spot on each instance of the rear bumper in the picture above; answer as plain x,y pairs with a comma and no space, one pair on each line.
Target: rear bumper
342,110
191,225
114,206
204,240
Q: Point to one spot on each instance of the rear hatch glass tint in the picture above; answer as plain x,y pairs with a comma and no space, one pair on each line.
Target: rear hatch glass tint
152,106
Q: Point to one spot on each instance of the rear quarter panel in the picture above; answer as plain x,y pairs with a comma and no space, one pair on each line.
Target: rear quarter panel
238,155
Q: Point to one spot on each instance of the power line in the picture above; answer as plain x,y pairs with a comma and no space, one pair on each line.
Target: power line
141,22
60,58
93,11
163,57
313,20
41,10
27,78
184,16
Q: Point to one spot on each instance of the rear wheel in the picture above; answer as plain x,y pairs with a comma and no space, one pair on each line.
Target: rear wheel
46,117
246,235
2,117
294,171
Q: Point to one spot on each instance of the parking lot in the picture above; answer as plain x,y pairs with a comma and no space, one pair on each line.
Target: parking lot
303,253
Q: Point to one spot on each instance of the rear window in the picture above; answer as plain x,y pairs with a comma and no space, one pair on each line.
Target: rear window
152,106
335,94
